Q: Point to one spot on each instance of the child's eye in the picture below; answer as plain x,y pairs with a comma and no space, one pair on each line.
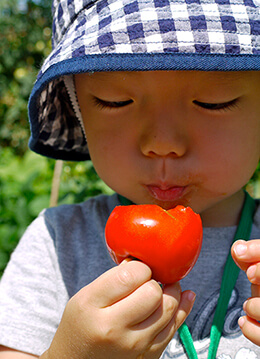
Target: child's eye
110,104
216,106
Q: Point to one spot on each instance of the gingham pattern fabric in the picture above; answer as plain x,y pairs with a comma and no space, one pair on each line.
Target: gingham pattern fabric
145,26
183,34
59,126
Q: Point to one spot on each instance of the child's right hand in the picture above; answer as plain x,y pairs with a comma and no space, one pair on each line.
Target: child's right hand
122,314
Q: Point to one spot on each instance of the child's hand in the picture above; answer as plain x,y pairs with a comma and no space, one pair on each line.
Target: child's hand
247,257
122,314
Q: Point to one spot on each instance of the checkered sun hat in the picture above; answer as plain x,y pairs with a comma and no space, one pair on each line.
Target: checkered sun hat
133,35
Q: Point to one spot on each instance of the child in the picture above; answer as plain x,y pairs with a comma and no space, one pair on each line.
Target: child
164,97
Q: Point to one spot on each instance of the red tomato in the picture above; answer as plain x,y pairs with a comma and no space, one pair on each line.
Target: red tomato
169,242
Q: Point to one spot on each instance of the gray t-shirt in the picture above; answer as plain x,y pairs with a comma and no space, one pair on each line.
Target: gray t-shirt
64,249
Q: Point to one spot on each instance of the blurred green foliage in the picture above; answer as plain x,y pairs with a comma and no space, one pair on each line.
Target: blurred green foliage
25,39
26,178
25,188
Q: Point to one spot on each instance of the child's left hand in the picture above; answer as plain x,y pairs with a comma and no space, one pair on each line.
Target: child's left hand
247,256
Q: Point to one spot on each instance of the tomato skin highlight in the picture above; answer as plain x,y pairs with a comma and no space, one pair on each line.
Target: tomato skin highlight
169,242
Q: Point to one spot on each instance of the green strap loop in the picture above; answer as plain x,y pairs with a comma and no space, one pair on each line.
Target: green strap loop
124,201
229,278
187,341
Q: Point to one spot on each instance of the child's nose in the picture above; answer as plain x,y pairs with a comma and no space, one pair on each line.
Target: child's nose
163,137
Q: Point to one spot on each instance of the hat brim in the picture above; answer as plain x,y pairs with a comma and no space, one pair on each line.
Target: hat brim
145,35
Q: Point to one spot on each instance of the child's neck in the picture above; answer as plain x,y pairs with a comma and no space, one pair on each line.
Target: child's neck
226,213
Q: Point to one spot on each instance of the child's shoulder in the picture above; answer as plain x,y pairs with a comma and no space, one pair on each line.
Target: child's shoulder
97,208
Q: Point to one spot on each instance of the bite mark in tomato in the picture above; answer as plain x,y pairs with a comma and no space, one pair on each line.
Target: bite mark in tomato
169,242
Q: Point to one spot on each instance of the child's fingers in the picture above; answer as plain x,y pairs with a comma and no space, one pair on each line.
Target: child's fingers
249,324
143,302
117,283
246,253
253,273
187,301
185,306
164,337
250,328
252,308
255,290
169,303
161,326
247,256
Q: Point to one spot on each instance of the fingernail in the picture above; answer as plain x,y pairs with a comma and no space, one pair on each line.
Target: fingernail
241,321
244,306
240,249
191,296
126,260
251,272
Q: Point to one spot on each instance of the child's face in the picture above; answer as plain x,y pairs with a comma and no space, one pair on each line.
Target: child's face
176,137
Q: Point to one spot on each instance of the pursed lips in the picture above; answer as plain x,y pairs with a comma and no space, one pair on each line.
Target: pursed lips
165,192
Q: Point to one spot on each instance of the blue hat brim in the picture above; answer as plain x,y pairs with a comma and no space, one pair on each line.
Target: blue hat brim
74,53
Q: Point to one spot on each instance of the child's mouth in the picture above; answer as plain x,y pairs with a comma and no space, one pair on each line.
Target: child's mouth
166,193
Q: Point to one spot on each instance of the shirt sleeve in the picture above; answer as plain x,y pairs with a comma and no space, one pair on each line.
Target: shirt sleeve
32,292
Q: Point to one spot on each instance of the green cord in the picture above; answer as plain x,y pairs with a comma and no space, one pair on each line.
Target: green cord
229,278
124,201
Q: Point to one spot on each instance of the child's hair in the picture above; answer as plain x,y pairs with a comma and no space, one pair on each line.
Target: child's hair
133,35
